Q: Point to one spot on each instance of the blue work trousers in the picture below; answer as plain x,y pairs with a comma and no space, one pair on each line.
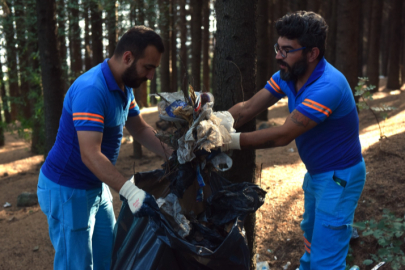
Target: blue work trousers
330,201
81,224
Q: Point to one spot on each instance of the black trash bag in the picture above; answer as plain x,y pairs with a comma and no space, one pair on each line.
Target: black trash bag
149,242
232,200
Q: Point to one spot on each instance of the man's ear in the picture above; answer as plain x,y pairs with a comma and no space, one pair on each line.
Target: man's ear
127,58
313,54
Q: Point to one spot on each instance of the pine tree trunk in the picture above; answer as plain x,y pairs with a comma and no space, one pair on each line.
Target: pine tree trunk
11,52
50,69
165,84
262,50
385,38
363,37
183,48
346,37
111,10
25,110
235,53
151,16
61,37
270,30
314,5
173,44
394,43
276,14
3,98
403,47
87,45
96,33
206,46
374,43
328,11
196,36
74,28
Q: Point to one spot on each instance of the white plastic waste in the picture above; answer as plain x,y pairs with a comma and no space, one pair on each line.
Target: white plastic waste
262,266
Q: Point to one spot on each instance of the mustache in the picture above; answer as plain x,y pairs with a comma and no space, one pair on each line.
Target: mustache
281,62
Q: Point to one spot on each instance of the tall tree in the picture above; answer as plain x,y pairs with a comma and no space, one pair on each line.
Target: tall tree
173,43
314,5
12,72
19,8
235,53
270,31
96,32
262,49
50,69
2,96
364,36
206,46
87,41
328,11
111,20
196,36
384,38
151,16
394,44
164,14
61,22
276,14
403,47
374,44
346,39
75,40
183,46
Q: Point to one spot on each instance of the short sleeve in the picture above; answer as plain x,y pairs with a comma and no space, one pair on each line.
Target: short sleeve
88,109
133,107
321,103
273,86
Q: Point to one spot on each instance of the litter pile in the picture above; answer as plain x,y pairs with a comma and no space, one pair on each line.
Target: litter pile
197,221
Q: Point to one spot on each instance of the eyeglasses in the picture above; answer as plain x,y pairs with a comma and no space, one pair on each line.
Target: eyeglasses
284,52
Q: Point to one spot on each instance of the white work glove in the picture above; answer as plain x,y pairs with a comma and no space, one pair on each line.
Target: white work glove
134,195
234,144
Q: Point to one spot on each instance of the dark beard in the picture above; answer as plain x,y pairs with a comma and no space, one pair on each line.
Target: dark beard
294,72
131,78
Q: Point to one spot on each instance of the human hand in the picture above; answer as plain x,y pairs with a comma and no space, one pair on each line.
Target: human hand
234,144
134,195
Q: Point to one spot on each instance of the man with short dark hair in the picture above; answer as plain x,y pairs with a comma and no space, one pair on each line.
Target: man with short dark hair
73,183
325,126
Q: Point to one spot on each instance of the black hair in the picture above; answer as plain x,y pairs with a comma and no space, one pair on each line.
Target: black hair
309,28
136,40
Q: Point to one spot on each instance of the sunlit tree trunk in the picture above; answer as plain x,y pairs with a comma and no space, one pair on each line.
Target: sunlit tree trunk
374,43
11,53
196,35
394,43
50,69
96,33
235,53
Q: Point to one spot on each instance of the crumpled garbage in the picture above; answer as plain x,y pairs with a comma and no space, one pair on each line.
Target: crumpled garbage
171,207
7,204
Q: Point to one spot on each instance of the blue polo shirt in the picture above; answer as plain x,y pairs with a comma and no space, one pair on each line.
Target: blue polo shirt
94,102
327,99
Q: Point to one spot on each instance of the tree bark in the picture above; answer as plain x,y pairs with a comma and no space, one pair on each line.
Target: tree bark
235,53
3,98
314,5
75,41
374,43
183,48
364,36
328,11
385,37
276,14
11,52
151,16
196,36
173,43
346,37
403,47
394,44
165,83
50,69
262,50
112,27
87,41
96,33
206,46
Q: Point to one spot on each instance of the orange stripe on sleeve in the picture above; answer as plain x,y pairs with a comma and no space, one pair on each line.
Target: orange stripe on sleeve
88,118
307,249
90,114
307,242
275,87
315,108
320,105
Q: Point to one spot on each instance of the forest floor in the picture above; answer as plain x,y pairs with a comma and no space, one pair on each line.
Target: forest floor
24,235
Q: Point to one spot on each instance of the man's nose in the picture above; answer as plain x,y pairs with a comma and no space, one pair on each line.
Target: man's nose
278,55
150,75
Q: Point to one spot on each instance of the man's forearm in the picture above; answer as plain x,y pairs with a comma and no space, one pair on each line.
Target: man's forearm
238,112
105,171
146,137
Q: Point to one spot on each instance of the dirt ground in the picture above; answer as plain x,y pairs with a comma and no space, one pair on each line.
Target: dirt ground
24,236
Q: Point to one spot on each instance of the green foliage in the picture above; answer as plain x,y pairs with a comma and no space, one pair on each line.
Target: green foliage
388,232
363,91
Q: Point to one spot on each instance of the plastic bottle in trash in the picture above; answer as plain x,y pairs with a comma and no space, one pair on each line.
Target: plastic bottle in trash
262,266
354,267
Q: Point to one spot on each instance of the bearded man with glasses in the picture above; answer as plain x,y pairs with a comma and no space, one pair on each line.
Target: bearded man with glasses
325,125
